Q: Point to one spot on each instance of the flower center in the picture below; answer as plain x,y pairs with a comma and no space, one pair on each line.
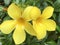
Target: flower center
21,21
39,20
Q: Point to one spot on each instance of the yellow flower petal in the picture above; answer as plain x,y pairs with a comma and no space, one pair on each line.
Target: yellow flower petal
19,34
8,26
26,13
29,29
35,13
47,12
50,24
40,30
14,11
31,13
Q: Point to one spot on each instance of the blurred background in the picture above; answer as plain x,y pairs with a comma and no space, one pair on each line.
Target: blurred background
52,38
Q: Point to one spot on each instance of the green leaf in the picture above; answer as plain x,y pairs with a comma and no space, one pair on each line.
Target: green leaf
35,44
7,2
59,18
6,18
58,42
58,28
54,16
0,43
1,8
17,1
57,5
51,43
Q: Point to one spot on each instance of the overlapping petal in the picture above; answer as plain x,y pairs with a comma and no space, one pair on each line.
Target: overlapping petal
29,29
31,13
40,30
47,12
26,14
14,11
7,26
50,24
35,13
19,34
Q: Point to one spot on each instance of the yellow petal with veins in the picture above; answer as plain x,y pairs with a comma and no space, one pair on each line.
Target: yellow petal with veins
14,11
26,14
7,26
50,24
40,30
19,35
29,29
47,12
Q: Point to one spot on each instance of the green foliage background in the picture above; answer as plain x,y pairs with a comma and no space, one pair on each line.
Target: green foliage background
52,38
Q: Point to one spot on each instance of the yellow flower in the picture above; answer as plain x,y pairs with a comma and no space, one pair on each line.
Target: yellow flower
41,22
19,23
